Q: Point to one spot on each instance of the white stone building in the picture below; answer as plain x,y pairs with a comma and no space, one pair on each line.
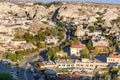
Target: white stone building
100,43
114,58
51,39
75,49
76,65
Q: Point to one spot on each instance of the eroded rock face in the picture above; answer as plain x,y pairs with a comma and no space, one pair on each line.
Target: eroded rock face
69,11
8,8
88,11
111,14
36,12
23,10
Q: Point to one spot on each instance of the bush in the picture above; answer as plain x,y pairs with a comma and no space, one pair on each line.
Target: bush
6,76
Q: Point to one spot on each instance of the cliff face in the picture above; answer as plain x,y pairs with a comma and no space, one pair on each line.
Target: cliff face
24,10
86,10
67,12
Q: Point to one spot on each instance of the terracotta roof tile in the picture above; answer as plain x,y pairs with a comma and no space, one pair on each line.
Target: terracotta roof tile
77,45
115,55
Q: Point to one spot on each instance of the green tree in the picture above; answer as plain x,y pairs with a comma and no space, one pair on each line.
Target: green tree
103,28
110,42
92,57
85,53
99,13
104,75
114,70
51,54
12,57
111,36
90,45
41,44
19,56
116,20
92,28
28,37
6,76
40,36
116,43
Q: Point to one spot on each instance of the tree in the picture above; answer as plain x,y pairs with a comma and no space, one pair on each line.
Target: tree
110,42
116,43
90,45
97,76
116,20
28,37
92,28
76,40
99,13
40,36
92,57
114,70
41,44
19,56
112,49
104,75
51,54
12,57
111,36
6,76
85,53
103,28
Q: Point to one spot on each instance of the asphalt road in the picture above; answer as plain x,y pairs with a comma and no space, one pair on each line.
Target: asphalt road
3,68
25,73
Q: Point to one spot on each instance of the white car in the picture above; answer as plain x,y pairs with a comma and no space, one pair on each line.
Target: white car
32,70
5,62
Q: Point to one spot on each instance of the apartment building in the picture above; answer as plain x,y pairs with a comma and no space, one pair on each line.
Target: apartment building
76,65
114,58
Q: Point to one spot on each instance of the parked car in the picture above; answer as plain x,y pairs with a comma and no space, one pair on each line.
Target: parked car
32,70
5,62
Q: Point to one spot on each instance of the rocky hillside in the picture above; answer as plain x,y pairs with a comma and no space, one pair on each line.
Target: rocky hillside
68,11
29,10
89,11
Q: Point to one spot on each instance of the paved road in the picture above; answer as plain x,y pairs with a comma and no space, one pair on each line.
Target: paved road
3,68
24,69
28,75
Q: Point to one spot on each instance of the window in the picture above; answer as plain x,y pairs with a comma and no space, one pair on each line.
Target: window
91,65
87,65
